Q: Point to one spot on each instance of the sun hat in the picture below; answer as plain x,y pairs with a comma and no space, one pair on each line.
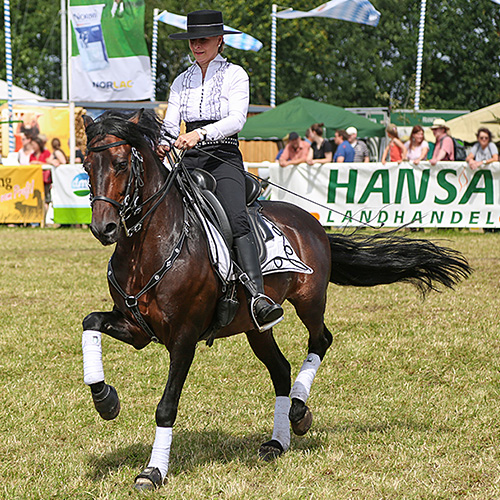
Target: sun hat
203,24
439,123
351,130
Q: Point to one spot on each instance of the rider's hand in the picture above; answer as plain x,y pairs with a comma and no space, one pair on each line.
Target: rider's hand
162,150
187,141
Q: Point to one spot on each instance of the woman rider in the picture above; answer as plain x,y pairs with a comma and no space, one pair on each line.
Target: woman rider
212,98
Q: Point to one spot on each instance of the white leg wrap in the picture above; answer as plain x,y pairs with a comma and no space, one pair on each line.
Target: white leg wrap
161,450
303,383
281,430
93,371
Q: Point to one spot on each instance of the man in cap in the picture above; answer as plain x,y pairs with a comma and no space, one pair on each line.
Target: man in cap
295,151
444,149
361,153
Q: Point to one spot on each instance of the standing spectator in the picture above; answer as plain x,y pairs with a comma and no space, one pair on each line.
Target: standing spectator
417,148
361,153
395,147
321,150
40,154
79,156
344,151
24,154
58,157
444,149
484,151
295,151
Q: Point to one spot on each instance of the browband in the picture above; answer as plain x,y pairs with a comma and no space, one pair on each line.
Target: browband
97,149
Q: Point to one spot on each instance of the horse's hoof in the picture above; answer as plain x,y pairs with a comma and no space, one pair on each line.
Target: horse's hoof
107,402
271,450
149,479
300,427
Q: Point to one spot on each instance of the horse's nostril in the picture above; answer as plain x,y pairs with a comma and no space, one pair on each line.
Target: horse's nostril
110,228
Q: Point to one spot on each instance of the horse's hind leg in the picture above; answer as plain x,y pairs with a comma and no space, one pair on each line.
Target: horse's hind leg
311,313
113,323
265,348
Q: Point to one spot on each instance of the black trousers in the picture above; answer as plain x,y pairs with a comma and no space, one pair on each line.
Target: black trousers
225,163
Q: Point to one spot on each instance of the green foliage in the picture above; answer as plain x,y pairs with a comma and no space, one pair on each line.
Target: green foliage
339,62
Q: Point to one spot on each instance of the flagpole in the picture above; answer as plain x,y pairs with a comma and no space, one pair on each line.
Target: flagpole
273,56
72,132
64,51
420,50
8,63
154,52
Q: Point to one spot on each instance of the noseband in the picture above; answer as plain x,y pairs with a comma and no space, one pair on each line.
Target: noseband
131,206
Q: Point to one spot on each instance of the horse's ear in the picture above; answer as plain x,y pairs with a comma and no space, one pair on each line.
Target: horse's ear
137,116
87,121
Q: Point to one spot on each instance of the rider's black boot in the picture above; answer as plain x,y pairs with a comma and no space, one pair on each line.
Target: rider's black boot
264,311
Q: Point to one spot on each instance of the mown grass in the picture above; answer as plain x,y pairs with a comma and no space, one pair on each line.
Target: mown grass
406,403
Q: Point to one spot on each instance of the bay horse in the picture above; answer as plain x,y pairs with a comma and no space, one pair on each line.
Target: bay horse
165,289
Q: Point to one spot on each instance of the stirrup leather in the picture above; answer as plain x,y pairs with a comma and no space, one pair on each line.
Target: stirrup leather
266,326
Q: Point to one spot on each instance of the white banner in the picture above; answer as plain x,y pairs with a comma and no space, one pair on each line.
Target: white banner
351,194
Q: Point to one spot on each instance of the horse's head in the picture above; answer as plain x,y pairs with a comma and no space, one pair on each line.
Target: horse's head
115,169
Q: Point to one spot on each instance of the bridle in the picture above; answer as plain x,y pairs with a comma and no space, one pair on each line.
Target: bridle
131,206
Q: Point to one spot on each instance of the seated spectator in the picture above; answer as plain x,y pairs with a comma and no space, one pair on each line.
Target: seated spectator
417,148
40,154
344,151
484,151
395,148
444,149
58,157
321,150
361,153
295,151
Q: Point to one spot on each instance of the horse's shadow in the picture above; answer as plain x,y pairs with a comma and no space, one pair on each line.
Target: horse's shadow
191,450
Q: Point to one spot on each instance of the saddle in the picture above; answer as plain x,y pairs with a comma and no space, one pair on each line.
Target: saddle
217,215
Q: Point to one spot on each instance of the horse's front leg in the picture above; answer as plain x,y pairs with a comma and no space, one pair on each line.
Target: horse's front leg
116,325
181,357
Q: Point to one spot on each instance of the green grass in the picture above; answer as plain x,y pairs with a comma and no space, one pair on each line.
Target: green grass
406,404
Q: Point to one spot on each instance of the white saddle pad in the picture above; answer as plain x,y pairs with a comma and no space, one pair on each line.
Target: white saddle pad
280,258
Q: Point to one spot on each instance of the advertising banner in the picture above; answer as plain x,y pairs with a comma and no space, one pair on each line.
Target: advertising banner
21,195
110,60
70,195
352,194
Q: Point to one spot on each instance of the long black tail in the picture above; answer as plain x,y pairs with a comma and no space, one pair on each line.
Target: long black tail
388,258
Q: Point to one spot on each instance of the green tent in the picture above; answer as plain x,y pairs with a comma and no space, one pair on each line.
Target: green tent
299,114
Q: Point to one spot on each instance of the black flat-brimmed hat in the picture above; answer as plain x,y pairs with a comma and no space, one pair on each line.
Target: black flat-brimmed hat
203,24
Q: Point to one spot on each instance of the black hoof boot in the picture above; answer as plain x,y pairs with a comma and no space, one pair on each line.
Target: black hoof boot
300,417
271,450
149,479
106,402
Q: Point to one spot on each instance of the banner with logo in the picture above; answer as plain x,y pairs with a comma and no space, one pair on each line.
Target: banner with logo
352,194
70,195
110,60
21,195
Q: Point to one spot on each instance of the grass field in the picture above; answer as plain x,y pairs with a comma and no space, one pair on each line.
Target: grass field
406,404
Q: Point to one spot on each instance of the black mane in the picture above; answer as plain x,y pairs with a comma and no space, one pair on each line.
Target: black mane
146,132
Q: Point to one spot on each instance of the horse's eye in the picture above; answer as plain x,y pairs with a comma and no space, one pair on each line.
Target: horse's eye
121,165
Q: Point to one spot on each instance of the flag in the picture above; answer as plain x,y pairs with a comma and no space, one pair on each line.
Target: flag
356,11
243,41
496,1
109,59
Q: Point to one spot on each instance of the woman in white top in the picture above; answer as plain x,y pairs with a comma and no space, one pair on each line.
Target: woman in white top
212,98
484,151
417,147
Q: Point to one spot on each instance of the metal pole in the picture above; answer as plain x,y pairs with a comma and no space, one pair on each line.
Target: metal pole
8,63
420,50
273,56
72,131
64,51
154,52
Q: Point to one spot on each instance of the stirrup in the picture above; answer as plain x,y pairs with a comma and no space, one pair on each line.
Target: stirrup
265,326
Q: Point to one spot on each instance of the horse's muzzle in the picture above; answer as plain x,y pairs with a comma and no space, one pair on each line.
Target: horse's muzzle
106,232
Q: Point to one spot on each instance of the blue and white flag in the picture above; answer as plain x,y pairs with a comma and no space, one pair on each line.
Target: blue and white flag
496,1
243,41
356,11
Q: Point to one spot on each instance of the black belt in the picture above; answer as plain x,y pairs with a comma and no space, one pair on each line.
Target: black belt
232,139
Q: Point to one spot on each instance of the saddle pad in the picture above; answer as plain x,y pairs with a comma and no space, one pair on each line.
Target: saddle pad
280,258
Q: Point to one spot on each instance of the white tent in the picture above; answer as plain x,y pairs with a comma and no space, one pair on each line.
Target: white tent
18,93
